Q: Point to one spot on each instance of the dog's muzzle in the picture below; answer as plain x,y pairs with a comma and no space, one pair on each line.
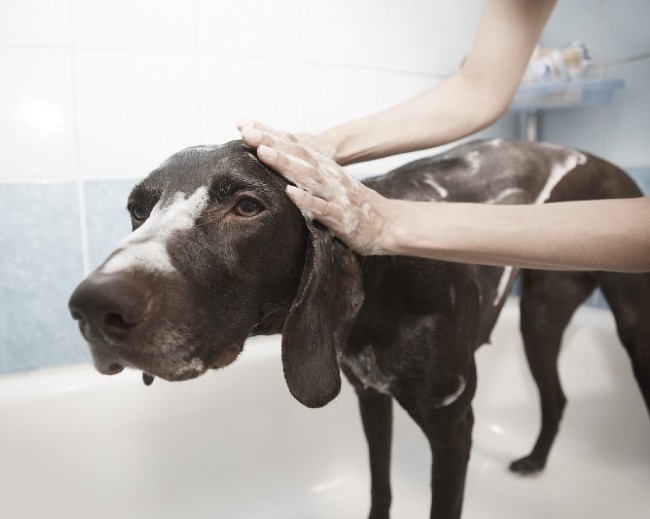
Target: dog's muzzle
109,309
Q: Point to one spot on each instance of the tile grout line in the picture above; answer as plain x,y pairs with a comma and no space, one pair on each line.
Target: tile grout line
197,71
81,192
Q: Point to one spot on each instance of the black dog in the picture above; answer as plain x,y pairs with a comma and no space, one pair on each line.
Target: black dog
219,253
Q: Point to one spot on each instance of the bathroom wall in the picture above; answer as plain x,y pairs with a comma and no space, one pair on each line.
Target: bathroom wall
96,93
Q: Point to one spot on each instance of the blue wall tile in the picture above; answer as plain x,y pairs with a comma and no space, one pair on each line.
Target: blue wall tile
627,118
626,32
40,264
106,216
578,128
642,177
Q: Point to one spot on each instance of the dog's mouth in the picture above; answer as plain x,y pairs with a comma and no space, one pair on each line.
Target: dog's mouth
228,356
224,359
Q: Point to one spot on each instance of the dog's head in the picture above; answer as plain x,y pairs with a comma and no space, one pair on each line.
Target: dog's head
219,253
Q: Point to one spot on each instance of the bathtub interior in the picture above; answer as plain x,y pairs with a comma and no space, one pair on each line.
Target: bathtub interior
235,444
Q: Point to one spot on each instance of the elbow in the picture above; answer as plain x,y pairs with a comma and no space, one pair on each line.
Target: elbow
495,104
490,99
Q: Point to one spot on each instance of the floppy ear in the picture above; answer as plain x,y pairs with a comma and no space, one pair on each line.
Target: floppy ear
320,319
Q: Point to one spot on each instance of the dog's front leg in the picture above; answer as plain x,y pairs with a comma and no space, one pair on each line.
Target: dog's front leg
450,445
377,417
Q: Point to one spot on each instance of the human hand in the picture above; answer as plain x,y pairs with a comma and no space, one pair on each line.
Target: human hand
323,190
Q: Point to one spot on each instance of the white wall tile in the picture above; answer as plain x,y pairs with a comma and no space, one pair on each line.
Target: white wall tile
418,36
35,22
580,128
252,28
134,24
334,95
627,119
626,28
470,13
134,110
37,123
232,88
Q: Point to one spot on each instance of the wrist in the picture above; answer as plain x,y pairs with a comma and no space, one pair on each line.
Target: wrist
353,142
396,235
337,139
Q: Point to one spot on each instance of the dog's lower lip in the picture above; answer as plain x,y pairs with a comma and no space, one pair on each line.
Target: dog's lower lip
114,369
228,356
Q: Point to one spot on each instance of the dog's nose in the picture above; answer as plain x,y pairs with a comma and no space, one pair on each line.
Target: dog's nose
108,306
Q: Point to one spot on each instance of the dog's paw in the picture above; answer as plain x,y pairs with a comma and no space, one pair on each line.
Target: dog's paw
527,466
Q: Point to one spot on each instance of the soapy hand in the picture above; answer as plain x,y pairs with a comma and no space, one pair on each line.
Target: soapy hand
323,190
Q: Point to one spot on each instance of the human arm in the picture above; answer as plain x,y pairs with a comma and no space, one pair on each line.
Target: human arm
586,235
594,235
469,100
610,235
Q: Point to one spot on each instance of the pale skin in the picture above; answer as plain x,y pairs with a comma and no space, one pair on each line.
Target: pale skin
609,235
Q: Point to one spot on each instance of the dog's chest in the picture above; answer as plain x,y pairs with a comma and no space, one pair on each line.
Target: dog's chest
365,367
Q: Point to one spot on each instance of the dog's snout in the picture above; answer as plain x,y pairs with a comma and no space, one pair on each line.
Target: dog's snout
108,306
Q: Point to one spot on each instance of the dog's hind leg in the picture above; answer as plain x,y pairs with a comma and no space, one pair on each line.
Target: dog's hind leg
377,418
548,301
628,296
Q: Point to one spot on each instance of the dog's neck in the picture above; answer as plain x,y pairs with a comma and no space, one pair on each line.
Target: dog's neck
272,321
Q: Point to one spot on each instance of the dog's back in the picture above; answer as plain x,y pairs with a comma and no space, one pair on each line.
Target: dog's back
505,172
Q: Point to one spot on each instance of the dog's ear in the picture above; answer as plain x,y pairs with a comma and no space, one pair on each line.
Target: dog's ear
320,319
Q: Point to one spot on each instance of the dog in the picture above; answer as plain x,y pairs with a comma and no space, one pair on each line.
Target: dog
218,253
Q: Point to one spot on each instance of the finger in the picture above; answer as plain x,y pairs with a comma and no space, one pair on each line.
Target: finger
314,208
295,170
255,138
256,134
251,124
251,136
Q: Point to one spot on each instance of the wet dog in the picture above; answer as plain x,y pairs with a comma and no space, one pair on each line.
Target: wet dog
218,253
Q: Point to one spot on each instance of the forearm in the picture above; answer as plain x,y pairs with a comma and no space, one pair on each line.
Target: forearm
464,103
456,107
593,235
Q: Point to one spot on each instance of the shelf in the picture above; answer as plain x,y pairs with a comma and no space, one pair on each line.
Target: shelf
569,94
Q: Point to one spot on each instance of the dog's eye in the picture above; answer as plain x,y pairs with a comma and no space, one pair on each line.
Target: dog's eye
138,212
247,207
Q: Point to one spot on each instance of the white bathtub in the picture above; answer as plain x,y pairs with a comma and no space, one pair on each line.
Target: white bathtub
234,444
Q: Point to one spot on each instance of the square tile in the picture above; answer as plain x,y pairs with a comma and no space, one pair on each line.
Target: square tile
37,120
627,118
166,25
417,36
40,261
580,128
134,110
35,22
250,28
334,95
231,88
642,178
107,220
626,28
